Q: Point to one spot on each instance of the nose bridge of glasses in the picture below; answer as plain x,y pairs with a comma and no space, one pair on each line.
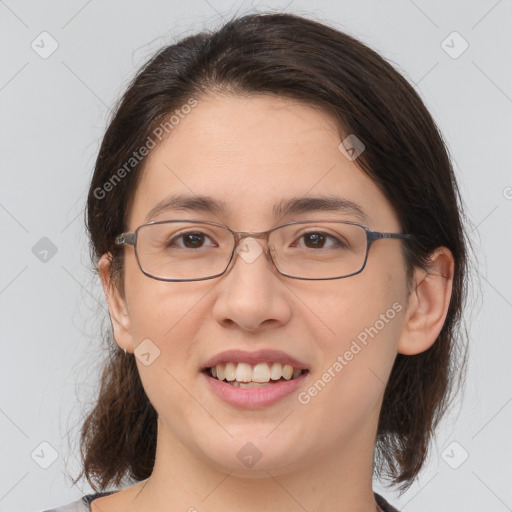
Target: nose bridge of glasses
240,235
249,252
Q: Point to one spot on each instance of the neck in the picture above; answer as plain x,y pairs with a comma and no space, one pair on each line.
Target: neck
327,482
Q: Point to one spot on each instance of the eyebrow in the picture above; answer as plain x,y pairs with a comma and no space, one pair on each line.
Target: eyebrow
292,206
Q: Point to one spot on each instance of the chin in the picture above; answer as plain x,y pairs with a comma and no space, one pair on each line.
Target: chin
256,458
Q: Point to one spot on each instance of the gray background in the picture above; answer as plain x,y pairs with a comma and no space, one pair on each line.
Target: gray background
53,113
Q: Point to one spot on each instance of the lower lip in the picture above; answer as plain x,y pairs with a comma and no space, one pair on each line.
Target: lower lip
253,398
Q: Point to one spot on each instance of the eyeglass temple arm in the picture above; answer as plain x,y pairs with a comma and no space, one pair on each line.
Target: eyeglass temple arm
126,238
375,235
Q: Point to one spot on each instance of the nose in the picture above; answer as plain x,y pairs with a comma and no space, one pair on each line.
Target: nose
251,294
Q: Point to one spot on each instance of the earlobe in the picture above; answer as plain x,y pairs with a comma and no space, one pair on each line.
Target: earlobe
116,305
428,303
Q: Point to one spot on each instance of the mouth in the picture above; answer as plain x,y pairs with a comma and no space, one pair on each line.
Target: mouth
245,375
254,380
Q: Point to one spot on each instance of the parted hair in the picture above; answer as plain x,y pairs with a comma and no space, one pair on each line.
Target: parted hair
287,55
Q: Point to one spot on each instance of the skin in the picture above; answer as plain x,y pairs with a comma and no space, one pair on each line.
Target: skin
253,152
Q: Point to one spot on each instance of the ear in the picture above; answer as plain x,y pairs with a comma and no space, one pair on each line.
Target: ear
116,305
428,303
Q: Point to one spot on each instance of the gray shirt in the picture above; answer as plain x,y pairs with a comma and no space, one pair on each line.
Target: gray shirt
84,504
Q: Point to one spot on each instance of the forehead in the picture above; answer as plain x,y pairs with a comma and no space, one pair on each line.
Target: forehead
251,155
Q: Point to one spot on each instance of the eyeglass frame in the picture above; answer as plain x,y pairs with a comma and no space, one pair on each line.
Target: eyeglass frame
130,238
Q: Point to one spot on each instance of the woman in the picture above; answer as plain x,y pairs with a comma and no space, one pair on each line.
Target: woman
277,229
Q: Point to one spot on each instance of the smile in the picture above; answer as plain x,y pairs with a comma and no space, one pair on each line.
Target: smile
253,379
245,375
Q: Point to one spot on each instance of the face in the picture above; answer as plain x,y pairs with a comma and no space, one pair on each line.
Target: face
252,154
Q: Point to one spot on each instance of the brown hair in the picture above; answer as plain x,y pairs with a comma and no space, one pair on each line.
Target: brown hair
290,56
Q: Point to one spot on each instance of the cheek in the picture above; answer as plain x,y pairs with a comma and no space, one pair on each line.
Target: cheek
349,385
365,316
155,307
169,315
165,312
165,318
363,307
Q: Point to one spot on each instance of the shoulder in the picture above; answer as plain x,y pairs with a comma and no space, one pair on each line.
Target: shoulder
81,505
84,504
383,504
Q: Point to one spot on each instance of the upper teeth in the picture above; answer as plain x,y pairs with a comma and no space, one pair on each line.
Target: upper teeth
261,372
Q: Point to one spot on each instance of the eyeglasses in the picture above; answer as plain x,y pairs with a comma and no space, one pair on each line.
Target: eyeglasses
190,250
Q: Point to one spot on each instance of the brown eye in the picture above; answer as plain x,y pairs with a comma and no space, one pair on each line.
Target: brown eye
320,240
315,239
191,240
